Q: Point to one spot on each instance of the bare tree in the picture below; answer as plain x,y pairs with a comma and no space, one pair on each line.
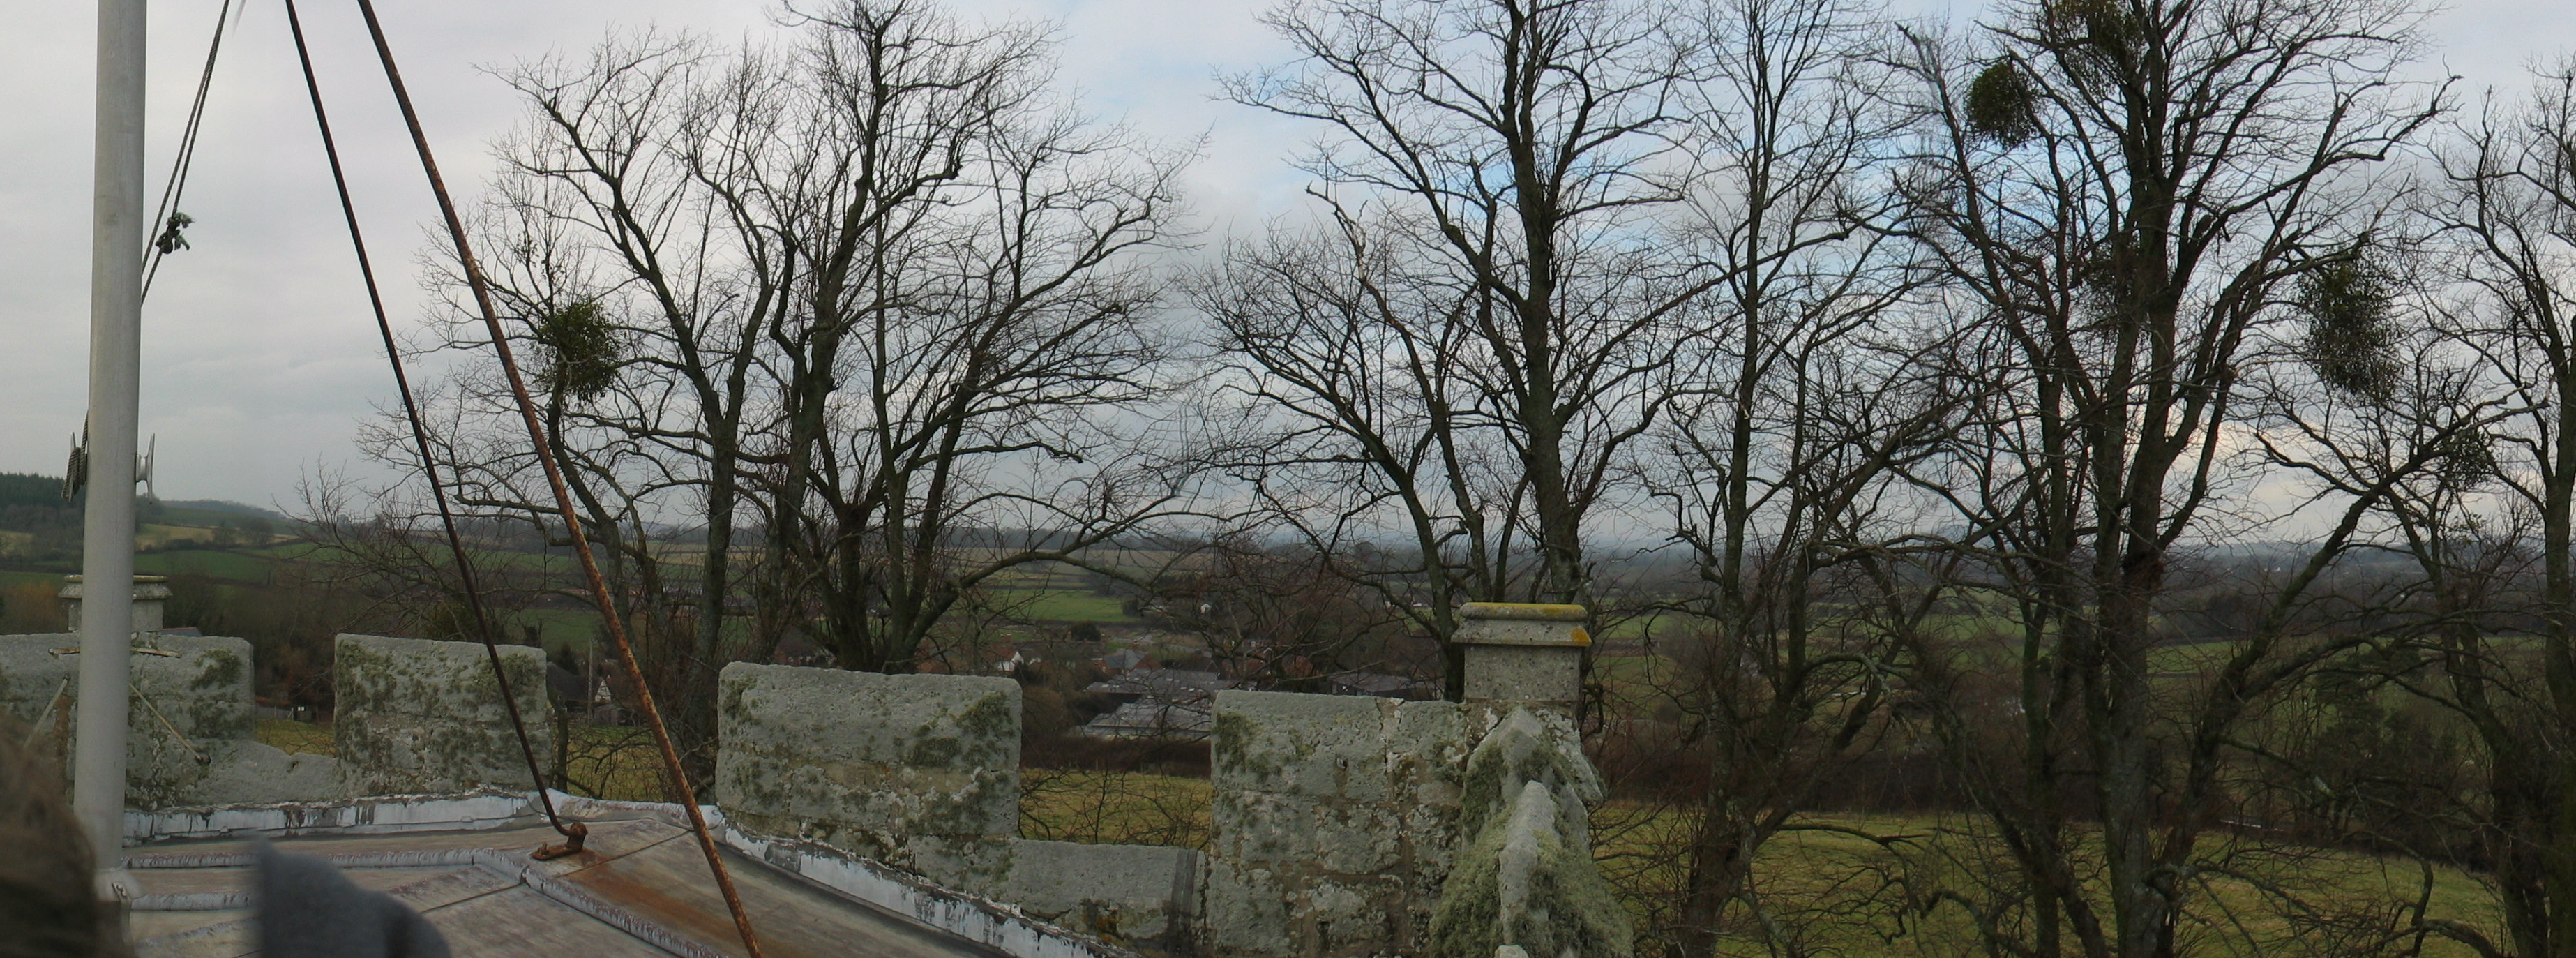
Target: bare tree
1443,377
874,293
1485,328
2445,633
619,277
2123,191
1362,434
1801,391
648,332
2508,211
1281,616
969,345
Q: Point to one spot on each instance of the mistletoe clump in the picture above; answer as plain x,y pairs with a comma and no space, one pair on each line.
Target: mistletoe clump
582,350
2352,330
2001,104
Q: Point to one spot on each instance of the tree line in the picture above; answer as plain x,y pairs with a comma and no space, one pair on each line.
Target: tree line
2106,406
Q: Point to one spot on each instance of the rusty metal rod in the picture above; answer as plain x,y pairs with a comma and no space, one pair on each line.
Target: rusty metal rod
563,493
420,435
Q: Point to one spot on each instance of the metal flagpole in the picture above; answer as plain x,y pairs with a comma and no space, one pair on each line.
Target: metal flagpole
115,360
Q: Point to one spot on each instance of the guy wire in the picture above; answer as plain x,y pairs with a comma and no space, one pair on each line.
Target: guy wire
563,494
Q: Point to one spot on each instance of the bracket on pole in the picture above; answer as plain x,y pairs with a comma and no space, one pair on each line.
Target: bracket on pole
76,471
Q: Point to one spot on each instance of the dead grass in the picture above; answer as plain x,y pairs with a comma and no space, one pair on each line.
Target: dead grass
1114,808
601,761
310,738
1879,886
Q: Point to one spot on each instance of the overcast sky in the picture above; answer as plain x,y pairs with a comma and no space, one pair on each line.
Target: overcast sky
258,353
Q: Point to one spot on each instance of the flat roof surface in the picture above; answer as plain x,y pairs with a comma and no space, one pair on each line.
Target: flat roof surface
639,888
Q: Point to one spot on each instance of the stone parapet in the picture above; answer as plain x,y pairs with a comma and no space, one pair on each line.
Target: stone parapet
190,734
920,772
1125,894
417,716
1334,822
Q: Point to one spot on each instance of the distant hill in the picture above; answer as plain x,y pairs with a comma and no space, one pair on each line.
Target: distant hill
30,502
24,489
222,506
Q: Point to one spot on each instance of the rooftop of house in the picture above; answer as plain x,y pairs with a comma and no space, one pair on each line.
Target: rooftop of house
1380,684
1153,717
1171,684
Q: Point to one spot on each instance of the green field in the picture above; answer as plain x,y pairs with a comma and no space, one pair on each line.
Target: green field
1828,890
602,761
1114,808
8,579
558,628
211,563
1059,605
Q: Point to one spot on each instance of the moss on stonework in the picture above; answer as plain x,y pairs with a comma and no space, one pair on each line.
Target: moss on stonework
353,667
936,751
217,669
1467,924
1520,749
218,720
991,718
729,696
1528,781
426,716
1234,734
1567,909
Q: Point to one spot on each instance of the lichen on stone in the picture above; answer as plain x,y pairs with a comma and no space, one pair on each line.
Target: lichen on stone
1528,879
418,715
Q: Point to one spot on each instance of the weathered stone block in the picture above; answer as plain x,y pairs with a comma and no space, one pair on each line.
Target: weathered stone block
255,773
1355,747
190,708
1523,652
1248,907
1523,673
1334,821
1528,745
921,772
1529,882
1123,893
1528,879
1523,623
151,601
420,716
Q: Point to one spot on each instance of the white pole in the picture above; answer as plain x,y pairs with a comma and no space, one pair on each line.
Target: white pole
115,360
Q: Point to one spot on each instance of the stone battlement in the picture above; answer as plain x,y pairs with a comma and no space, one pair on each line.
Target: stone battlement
1342,826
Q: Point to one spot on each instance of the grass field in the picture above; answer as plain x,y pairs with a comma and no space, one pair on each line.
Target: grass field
8,579
309,738
1114,808
1832,891
159,536
559,628
603,761
212,563
1059,605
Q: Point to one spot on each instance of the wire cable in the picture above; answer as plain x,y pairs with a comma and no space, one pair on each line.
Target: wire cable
575,832
186,160
616,626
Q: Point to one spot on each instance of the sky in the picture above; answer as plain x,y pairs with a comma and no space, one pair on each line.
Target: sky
259,356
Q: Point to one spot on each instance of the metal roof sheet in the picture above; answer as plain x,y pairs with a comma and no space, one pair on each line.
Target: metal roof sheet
639,888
